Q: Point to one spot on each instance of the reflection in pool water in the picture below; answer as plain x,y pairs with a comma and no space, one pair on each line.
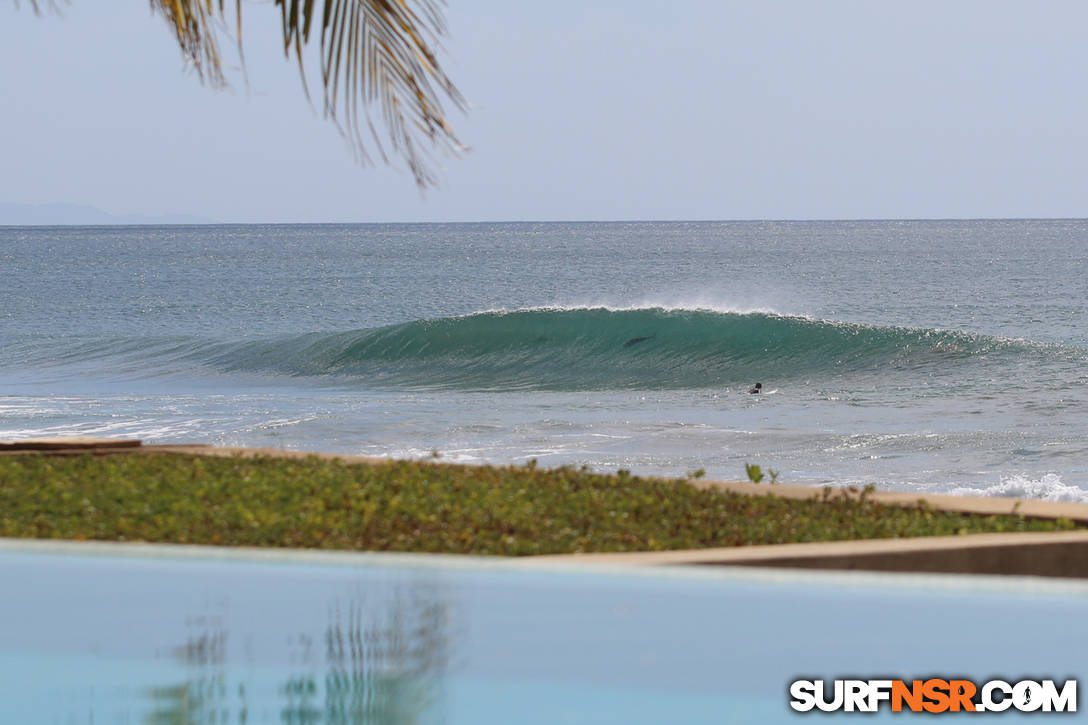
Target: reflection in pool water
378,663
190,638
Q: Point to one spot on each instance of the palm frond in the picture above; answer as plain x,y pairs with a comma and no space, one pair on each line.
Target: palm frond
36,5
379,53
193,23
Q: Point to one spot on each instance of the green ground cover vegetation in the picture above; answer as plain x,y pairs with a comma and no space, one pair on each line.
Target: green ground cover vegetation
428,507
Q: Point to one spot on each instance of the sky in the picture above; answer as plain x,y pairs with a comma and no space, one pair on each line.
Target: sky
580,110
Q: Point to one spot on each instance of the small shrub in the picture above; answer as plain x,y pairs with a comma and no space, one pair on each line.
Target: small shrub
428,506
756,475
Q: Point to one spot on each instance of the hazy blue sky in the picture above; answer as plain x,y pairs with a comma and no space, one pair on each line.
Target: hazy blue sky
632,109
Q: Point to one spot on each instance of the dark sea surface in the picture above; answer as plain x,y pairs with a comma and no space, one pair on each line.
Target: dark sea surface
914,355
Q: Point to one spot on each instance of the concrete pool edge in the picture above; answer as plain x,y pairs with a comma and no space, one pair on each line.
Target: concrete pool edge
579,566
1048,554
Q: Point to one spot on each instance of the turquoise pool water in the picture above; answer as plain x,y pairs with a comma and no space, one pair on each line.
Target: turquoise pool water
193,637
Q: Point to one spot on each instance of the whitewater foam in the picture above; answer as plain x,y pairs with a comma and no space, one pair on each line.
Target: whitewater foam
1049,487
649,305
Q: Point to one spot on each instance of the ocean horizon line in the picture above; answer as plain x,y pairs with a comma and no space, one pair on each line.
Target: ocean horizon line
753,220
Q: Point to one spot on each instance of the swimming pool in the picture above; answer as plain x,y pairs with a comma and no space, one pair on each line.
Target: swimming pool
115,634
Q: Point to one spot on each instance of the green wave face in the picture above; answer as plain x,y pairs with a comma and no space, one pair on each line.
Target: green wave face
602,349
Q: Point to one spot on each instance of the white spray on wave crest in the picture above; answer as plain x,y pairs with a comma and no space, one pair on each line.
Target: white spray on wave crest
1048,488
689,302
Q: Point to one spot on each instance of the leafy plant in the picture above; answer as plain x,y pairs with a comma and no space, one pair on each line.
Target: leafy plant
429,506
756,475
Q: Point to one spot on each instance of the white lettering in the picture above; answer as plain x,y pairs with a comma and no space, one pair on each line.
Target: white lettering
879,691
988,702
1065,701
821,697
856,695
1027,696
803,693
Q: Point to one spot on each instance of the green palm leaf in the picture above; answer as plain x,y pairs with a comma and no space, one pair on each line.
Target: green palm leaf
374,54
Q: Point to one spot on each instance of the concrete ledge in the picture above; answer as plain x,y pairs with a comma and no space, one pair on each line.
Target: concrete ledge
78,445
884,581
1052,554
245,452
74,443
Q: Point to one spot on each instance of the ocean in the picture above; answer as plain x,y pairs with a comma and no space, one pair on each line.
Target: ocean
930,356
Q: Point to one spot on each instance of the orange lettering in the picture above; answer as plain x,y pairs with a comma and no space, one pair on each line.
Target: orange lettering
936,691
961,692
912,695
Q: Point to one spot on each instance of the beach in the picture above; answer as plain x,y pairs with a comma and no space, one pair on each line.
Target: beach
930,357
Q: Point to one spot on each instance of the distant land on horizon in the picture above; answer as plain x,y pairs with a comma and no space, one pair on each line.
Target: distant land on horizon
62,214
65,214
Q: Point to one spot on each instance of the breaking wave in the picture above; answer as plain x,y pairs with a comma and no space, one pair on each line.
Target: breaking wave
603,348
584,348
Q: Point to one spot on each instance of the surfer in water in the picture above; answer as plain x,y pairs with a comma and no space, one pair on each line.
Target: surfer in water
756,390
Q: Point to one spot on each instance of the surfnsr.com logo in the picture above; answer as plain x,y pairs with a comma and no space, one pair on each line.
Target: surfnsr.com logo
933,695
